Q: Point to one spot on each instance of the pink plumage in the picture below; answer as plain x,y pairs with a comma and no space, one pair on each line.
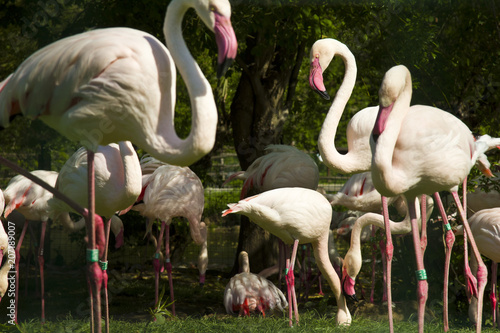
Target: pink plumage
297,215
280,166
170,191
247,292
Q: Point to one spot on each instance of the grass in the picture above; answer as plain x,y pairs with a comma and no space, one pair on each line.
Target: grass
201,309
310,321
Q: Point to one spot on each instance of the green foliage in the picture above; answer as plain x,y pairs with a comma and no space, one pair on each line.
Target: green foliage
160,311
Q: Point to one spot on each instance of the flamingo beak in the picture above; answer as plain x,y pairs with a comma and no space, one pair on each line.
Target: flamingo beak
316,79
348,286
227,45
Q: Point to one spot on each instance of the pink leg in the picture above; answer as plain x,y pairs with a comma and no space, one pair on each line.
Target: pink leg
449,239
482,272
93,270
389,248
41,263
156,262
18,257
104,268
168,266
384,267
292,298
493,294
422,285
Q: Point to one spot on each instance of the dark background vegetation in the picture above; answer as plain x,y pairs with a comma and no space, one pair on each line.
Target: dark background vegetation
452,49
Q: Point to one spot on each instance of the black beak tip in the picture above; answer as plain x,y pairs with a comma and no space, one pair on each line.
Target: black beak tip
223,67
323,94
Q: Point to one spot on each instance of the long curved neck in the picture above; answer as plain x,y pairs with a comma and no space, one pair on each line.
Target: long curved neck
67,222
203,124
386,178
326,141
325,266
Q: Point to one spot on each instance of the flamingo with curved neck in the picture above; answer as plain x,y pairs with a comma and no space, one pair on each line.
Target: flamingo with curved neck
297,215
358,156
408,151
118,84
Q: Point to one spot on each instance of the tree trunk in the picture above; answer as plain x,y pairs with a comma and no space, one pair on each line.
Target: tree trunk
258,112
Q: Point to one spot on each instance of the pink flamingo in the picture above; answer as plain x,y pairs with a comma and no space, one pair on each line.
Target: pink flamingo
247,292
31,201
406,161
172,191
117,173
280,166
359,194
297,215
485,226
359,155
81,86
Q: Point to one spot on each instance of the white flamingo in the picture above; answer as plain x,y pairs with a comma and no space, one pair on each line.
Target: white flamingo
408,151
359,156
172,191
247,292
280,166
117,84
297,215
117,173
31,201
485,226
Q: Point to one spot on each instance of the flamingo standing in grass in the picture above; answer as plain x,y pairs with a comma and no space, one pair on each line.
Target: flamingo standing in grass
408,151
280,166
297,215
117,173
117,84
31,201
359,129
172,191
485,226
247,292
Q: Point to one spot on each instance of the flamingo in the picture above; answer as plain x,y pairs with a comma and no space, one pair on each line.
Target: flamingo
359,128
172,191
280,166
117,174
117,84
247,292
31,201
485,226
406,161
297,215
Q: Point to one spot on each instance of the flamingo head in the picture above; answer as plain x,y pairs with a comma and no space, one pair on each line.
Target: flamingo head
348,285
216,14
321,55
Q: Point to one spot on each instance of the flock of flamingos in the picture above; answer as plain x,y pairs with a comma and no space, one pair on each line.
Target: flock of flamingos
109,88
